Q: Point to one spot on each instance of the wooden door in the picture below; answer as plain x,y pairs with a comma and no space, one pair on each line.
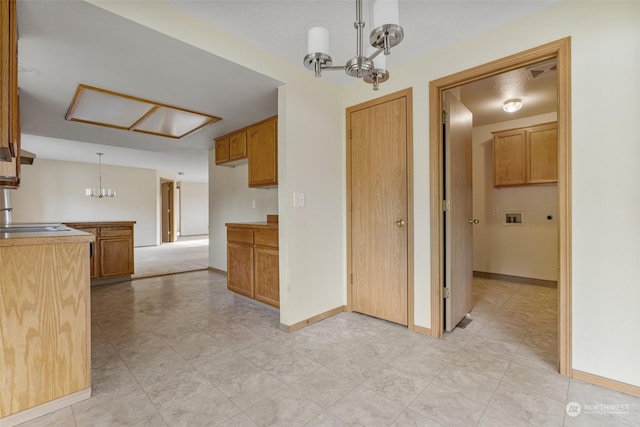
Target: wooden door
378,225
459,212
166,190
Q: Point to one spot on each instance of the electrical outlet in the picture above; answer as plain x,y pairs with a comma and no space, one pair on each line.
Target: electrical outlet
253,204
496,211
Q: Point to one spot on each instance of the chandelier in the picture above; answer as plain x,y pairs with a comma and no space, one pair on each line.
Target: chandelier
386,34
100,192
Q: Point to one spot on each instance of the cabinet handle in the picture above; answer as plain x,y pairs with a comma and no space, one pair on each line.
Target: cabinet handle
474,221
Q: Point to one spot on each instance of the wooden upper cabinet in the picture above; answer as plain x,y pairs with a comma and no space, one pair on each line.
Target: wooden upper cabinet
543,154
526,155
238,146
262,149
509,158
222,150
9,96
231,148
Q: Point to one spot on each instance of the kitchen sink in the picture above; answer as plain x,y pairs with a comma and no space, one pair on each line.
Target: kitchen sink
32,228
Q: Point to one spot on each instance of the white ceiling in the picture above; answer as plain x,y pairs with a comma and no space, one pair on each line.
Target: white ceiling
66,43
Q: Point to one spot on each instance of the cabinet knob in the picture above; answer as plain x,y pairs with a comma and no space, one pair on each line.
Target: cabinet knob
400,223
474,221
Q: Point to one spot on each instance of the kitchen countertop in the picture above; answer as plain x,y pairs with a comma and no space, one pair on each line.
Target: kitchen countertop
43,237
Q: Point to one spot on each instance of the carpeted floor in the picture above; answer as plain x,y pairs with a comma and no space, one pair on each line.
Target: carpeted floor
187,254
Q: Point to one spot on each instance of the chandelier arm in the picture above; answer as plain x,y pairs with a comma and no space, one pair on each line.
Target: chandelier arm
376,53
334,67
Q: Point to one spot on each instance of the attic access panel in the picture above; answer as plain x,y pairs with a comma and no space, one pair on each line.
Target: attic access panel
112,109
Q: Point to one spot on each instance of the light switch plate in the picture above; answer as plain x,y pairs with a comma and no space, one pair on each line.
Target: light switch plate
298,200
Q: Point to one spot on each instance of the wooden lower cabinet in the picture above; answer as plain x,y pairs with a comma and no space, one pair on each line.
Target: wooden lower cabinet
113,250
266,282
253,261
45,335
240,268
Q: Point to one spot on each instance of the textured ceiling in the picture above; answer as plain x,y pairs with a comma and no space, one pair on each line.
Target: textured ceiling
69,42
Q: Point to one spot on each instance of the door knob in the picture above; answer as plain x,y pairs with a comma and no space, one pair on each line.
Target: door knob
474,221
400,223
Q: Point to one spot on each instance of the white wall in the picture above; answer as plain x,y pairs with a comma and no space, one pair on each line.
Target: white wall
194,208
54,191
527,250
605,190
230,200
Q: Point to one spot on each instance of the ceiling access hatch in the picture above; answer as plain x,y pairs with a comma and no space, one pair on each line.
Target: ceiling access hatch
112,109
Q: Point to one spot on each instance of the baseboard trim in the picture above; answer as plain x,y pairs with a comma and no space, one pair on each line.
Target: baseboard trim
516,279
45,408
217,270
422,330
312,320
606,382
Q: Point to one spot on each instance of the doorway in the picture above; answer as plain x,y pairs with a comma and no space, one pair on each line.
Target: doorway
166,211
379,213
559,50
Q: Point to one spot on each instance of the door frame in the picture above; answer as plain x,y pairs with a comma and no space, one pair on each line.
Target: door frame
561,50
406,93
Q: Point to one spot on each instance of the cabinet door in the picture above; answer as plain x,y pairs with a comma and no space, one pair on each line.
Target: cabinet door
543,154
509,159
116,257
222,150
267,279
262,149
9,102
240,269
238,146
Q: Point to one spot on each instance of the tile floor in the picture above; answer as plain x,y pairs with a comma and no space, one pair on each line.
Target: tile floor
181,350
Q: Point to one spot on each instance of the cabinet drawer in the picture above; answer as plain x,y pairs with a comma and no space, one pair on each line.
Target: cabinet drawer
91,230
116,232
240,236
266,238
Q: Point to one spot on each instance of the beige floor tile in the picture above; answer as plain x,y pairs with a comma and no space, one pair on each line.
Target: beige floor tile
204,409
241,420
286,407
120,410
485,364
528,407
410,418
397,385
448,407
476,386
365,407
324,386
415,361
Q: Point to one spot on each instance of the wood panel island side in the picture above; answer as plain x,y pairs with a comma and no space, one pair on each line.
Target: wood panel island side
45,323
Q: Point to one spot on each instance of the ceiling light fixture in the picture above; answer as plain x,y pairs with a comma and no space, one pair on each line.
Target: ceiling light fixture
512,105
386,34
100,192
